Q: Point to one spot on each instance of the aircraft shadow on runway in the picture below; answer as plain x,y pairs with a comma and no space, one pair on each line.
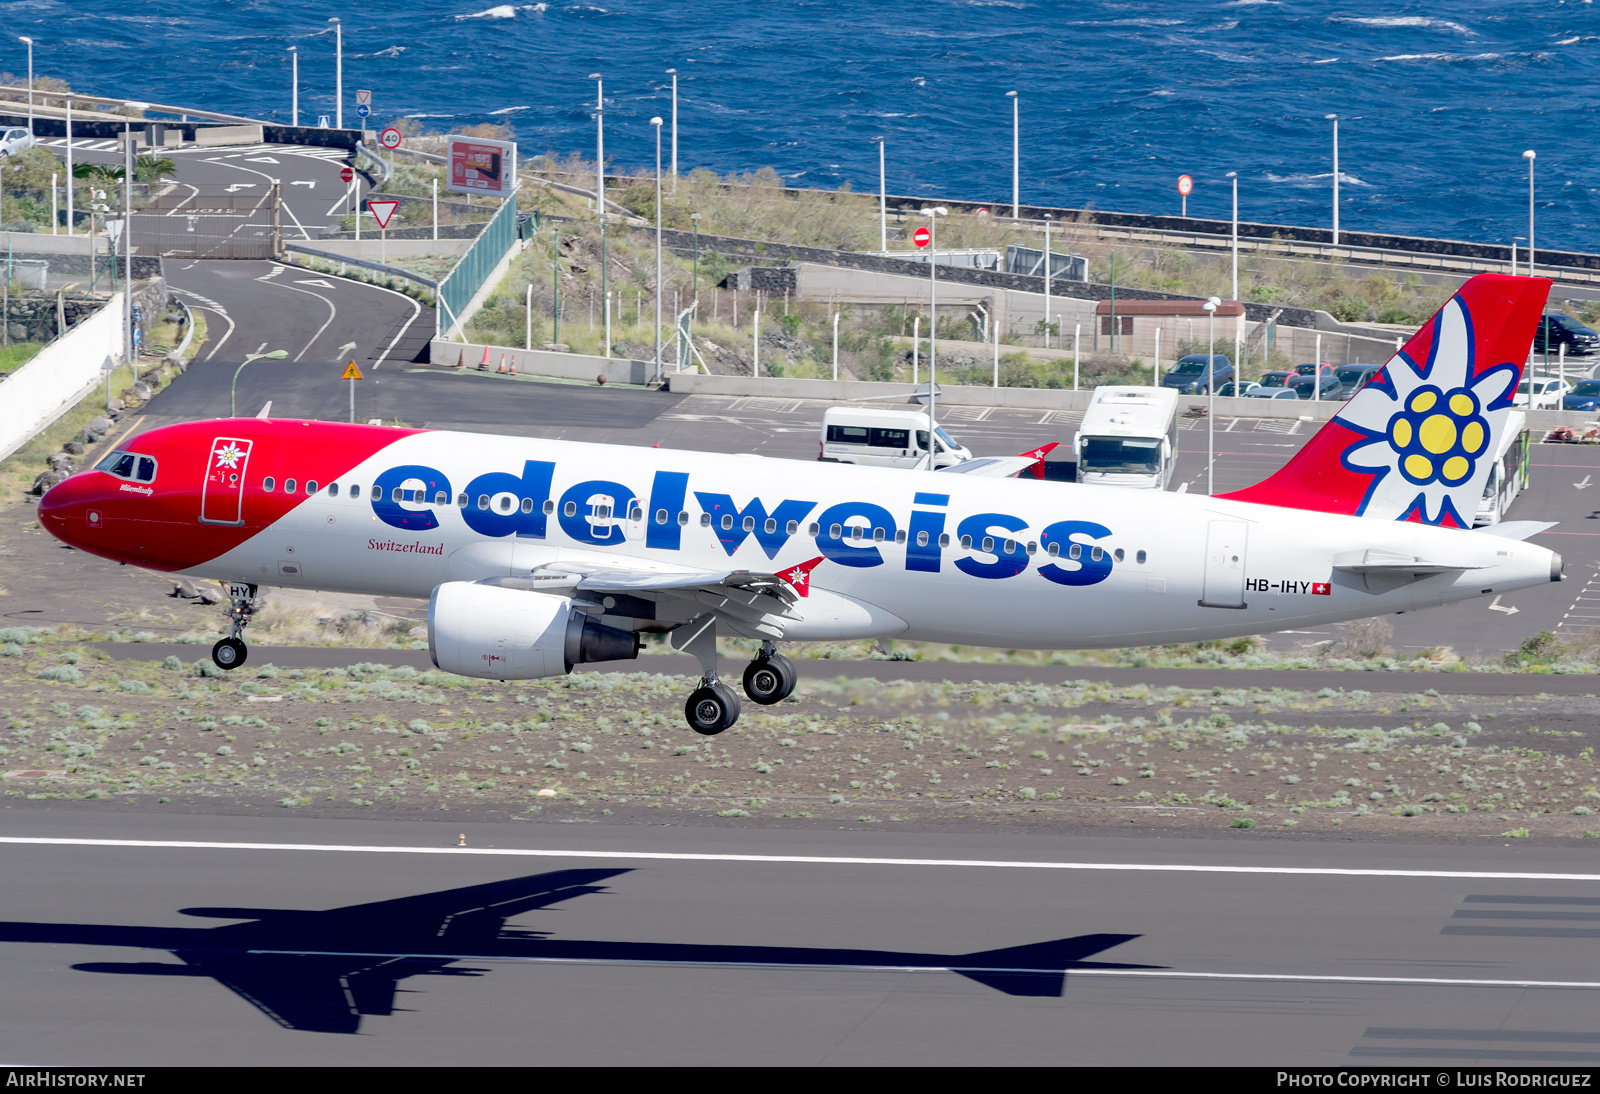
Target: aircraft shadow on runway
322,971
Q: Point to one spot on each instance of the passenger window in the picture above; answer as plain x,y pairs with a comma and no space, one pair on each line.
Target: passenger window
857,532
355,491
1054,551
267,484
749,524
922,539
705,520
441,498
944,540
397,494
505,504
568,510
1011,546
1075,551
1117,554
311,486
900,536
483,501
333,490
288,486
877,535
889,438
1139,558
813,529
661,516
727,521
147,469
847,434
1097,554
461,501
966,543
549,507
792,527
527,505
988,545
1033,548
636,514
834,531
683,520
771,526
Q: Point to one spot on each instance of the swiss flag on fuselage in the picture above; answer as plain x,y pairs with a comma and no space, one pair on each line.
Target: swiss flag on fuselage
800,576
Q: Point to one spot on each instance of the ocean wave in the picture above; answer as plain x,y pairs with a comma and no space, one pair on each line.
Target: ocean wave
514,109
503,11
1390,21
1324,61
392,51
1452,58
1345,179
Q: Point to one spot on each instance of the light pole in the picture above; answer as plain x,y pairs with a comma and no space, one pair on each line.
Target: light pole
933,214
1210,307
883,199
127,237
694,219
1514,241
657,123
233,392
1234,175
1047,281
294,86
1334,118
1530,155
599,145
1016,155
674,74
29,41
338,73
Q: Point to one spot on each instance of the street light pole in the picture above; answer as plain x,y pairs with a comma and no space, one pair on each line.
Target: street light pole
657,123
694,219
1514,241
294,85
674,74
1529,155
1210,307
338,73
29,41
933,214
1234,175
1047,281
233,392
1334,118
599,145
1016,158
127,239
883,199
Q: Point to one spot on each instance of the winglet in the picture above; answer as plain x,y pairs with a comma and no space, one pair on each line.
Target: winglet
800,576
1038,455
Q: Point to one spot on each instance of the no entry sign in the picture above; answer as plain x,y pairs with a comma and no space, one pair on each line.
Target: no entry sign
922,237
345,174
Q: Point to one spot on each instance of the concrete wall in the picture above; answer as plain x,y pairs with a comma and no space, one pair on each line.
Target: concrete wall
58,376
372,249
536,362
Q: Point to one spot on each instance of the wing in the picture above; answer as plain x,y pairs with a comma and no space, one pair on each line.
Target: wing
991,467
745,602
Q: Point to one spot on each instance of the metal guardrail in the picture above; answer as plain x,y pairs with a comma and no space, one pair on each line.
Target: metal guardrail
363,150
461,284
378,267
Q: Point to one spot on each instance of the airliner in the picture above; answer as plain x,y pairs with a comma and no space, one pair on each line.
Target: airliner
539,555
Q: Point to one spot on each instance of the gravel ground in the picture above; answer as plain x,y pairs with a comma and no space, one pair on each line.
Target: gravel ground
369,739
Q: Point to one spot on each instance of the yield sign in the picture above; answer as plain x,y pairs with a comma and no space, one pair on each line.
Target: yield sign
922,237
363,98
350,372
382,210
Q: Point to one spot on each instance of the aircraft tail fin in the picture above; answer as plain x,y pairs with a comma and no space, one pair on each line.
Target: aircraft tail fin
1418,441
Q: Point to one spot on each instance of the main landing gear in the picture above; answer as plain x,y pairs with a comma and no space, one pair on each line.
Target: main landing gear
714,706
231,652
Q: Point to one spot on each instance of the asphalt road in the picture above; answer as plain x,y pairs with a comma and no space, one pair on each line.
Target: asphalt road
664,946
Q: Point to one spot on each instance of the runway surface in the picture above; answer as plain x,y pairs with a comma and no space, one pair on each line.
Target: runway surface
544,944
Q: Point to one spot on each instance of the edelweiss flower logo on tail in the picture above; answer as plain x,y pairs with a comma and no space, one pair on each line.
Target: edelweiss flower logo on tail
1426,424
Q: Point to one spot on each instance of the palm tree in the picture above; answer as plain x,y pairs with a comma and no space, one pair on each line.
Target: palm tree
152,168
104,172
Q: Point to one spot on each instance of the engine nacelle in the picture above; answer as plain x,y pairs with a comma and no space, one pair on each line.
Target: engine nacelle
509,634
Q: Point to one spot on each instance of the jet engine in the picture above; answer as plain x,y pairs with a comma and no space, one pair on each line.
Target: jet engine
509,634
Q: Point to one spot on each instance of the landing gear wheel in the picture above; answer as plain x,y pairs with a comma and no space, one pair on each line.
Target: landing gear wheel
711,709
769,680
229,653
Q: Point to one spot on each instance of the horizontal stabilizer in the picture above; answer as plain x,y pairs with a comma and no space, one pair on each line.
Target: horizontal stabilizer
1038,969
1518,529
1373,560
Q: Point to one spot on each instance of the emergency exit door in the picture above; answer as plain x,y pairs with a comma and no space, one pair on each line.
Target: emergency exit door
1225,558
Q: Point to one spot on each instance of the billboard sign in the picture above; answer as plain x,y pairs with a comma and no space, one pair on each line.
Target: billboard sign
480,166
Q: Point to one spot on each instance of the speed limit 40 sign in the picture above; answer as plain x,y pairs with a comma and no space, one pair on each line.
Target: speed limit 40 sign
390,138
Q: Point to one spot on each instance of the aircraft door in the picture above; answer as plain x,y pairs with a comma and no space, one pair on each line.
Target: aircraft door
1225,561
222,492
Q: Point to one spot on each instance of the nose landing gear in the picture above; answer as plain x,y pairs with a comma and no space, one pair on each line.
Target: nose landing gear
231,652
770,678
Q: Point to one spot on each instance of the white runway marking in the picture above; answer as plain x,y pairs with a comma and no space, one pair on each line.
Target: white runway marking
812,860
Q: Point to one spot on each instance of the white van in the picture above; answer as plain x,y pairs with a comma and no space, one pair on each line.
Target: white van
1508,474
1128,437
885,438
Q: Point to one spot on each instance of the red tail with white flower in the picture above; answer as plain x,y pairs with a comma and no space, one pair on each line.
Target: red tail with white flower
1418,441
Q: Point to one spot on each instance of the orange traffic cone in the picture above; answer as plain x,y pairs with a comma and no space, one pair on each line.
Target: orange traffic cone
461,359
513,364
502,368
483,365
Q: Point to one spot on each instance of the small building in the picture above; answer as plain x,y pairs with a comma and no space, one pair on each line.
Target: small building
1138,320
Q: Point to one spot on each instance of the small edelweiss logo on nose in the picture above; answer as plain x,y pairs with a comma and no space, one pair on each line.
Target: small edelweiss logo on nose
1438,436
229,457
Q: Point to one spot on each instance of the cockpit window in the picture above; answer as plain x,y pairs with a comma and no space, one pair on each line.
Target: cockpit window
129,466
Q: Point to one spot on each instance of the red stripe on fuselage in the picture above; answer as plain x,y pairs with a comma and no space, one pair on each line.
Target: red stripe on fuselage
162,530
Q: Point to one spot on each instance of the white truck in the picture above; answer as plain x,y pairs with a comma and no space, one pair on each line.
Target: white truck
1128,437
1508,474
885,438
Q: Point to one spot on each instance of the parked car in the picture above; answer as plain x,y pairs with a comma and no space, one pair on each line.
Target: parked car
1584,395
1306,370
1556,330
1262,392
1540,393
1352,378
1240,388
15,140
1326,386
1190,376
1278,378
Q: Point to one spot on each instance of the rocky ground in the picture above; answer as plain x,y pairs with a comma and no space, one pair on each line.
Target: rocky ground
369,739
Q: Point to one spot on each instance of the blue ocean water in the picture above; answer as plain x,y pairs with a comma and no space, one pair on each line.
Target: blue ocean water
1117,99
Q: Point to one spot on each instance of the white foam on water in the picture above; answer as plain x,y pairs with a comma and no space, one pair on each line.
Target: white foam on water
1389,21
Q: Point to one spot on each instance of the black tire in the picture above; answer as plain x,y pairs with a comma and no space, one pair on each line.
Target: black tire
710,710
229,654
769,680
